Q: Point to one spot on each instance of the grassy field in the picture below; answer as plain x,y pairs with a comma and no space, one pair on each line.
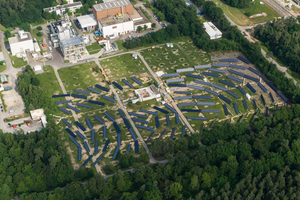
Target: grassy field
35,31
94,48
120,44
80,76
17,62
241,16
2,67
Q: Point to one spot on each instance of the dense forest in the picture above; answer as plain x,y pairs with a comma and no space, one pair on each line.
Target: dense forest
283,38
33,95
238,3
241,164
35,162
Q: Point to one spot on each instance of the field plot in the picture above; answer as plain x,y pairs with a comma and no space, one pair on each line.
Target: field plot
88,76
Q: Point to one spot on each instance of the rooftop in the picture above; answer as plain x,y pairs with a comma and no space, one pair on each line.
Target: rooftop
71,41
139,17
111,5
36,114
147,93
22,36
113,20
87,20
50,9
211,29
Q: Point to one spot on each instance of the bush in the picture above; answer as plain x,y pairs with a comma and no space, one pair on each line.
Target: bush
39,28
109,169
39,34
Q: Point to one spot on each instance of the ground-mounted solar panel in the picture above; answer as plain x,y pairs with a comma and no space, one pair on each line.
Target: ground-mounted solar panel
196,118
71,133
137,115
185,70
127,83
150,136
96,102
182,92
251,88
237,66
195,87
236,72
86,147
102,88
175,80
109,116
119,139
136,146
217,70
80,126
201,97
117,85
128,148
272,86
148,112
79,154
176,85
73,108
98,159
251,78
254,103
140,121
271,96
66,122
96,149
144,127
83,105
162,134
225,109
87,160
60,95
202,66
82,92
64,110
211,92
93,135
121,113
132,134
210,111
225,99
108,98
104,131
232,94
170,75
94,90
116,153
182,98
229,60
245,104
79,96
241,90
190,110
218,87
156,121
243,59
193,76
262,87
201,103
62,102
80,135
168,120
202,127
161,110
227,83
264,78
177,118
88,122
173,132
106,145
136,80
170,107
254,71
126,123
236,108
74,141
117,127
220,65
210,74
263,100
183,130
186,104
99,119
202,82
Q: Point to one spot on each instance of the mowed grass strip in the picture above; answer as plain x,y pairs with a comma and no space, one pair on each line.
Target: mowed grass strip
17,62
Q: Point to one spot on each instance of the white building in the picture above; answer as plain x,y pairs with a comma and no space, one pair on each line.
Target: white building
60,9
147,93
87,22
21,43
37,114
212,31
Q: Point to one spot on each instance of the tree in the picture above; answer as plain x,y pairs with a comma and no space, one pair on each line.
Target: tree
139,28
148,4
64,3
39,28
145,27
173,190
39,34
7,34
153,25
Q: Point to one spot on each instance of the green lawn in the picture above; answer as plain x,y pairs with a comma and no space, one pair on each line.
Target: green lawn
94,48
35,31
120,44
2,67
17,62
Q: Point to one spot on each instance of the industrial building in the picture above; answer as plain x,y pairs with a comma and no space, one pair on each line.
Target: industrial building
118,17
73,48
147,93
87,22
60,9
21,43
212,31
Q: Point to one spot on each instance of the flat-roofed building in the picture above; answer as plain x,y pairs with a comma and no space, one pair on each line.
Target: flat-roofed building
21,43
87,22
212,31
73,48
60,9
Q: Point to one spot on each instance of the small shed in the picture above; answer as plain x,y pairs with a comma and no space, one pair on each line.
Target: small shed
3,79
37,68
134,56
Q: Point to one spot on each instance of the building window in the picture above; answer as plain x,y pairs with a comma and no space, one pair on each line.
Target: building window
114,27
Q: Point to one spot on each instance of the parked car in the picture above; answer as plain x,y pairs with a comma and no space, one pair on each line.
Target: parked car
43,45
